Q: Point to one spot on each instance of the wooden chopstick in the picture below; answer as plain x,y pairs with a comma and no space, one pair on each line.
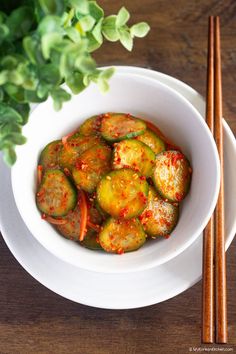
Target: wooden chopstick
220,259
208,236
214,247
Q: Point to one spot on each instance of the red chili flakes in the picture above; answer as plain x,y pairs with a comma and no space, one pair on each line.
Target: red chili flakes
178,196
167,236
149,213
176,158
120,250
142,197
143,178
123,212
44,216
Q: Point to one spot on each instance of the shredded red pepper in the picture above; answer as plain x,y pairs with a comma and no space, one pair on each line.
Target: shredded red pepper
84,214
39,173
170,145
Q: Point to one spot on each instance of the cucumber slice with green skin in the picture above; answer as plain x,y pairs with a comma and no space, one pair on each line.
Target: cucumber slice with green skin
135,155
159,218
91,240
120,126
119,236
103,214
91,126
172,175
122,193
90,166
74,147
94,215
50,154
71,229
56,195
153,141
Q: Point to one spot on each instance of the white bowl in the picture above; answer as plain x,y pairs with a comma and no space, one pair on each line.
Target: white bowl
145,98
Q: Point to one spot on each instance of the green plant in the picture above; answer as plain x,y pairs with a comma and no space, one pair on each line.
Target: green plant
44,43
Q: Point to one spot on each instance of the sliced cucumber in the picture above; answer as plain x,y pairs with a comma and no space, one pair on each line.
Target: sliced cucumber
103,214
71,229
74,147
118,236
159,218
122,193
94,215
135,155
56,195
91,240
49,155
172,175
91,126
91,165
120,126
153,141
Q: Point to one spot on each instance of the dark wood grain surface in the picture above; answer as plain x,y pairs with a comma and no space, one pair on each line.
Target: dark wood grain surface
34,319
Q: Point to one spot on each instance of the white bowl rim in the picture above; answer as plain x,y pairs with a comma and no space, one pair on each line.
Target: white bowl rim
182,247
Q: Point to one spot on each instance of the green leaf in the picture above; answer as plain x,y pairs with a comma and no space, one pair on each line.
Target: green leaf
75,83
126,39
32,96
81,6
4,32
22,108
9,114
68,58
9,62
49,74
3,17
59,96
140,30
32,47
50,24
95,10
15,92
73,34
68,17
109,29
93,44
49,41
1,94
3,77
103,85
43,90
122,17
87,23
20,21
97,31
52,7
9,155
9,128
14,138
85,64
107,73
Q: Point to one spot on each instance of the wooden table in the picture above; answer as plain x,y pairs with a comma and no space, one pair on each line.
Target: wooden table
35,320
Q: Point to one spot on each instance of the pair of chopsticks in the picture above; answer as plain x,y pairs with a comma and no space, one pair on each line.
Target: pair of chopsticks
214,311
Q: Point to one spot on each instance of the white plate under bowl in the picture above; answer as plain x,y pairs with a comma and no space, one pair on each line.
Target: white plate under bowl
116,291
148,99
